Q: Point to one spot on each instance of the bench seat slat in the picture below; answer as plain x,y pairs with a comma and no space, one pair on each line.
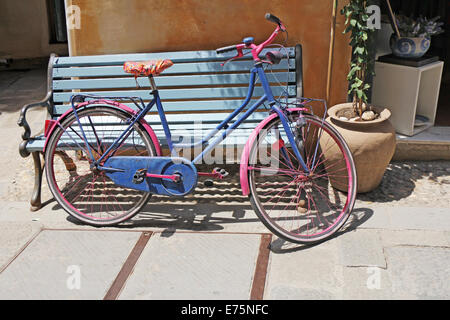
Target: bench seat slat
171,81
203,117
176,135
178,68
176,57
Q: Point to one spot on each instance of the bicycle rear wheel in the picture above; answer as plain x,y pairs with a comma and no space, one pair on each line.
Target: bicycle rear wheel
297,206
87,193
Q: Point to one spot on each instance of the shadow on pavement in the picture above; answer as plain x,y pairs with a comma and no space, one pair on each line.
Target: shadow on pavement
191,217
357,218
399,180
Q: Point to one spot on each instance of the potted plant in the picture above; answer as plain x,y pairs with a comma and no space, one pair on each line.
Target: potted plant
414,36
366,128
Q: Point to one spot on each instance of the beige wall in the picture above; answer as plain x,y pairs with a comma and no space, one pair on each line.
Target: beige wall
24,30
123,26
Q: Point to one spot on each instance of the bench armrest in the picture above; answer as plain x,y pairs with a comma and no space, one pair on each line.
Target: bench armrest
22,122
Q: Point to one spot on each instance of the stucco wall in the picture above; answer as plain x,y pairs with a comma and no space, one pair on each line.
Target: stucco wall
120,26
24,31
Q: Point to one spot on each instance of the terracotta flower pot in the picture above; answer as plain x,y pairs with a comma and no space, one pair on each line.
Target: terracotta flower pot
372,144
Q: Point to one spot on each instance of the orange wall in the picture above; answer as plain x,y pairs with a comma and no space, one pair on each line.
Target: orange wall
123,26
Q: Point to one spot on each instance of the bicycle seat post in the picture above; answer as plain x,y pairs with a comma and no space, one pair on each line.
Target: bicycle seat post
152,83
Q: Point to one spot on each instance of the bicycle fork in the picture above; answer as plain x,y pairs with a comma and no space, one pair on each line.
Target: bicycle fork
291,139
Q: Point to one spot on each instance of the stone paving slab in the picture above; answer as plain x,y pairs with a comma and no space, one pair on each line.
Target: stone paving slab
234,217
404,217
13,237
432,135
195,266
422,218
429,238
419,272
298,272
48,267
361,248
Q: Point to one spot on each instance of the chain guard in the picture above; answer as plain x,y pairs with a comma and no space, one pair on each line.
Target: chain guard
129,172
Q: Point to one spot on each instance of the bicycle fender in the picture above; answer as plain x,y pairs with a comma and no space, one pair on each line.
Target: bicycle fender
113,104
243,170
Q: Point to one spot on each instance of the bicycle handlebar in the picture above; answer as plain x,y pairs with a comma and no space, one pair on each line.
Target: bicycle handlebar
256,49
273,19
226,49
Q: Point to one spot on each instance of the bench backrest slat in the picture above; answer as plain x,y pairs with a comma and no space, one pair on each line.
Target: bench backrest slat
172,81
203,93
176,57
178,68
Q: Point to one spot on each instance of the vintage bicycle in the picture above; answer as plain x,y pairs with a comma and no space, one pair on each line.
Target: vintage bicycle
103,161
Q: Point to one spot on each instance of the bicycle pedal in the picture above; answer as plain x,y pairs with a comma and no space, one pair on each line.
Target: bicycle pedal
208,183
222,172
139,176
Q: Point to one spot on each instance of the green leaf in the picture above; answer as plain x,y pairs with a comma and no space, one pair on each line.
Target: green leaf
359,93
359,50
364,36
356,84
353,71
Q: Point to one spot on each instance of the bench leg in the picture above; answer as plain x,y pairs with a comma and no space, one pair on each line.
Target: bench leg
36,203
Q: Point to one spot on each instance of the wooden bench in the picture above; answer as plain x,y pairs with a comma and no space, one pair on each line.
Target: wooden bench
196,88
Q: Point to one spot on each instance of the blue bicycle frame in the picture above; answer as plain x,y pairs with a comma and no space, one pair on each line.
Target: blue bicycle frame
257,70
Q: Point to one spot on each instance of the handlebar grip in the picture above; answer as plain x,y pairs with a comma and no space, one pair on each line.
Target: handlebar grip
226,49
273,18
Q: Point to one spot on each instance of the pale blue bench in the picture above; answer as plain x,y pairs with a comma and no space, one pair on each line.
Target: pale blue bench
196,88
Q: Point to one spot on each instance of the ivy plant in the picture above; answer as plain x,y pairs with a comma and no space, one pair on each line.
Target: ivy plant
362,65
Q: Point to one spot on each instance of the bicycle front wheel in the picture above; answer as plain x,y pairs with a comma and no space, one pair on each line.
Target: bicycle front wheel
300,206
83,191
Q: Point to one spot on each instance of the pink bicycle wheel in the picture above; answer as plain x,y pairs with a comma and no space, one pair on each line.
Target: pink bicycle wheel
300,206
85,192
